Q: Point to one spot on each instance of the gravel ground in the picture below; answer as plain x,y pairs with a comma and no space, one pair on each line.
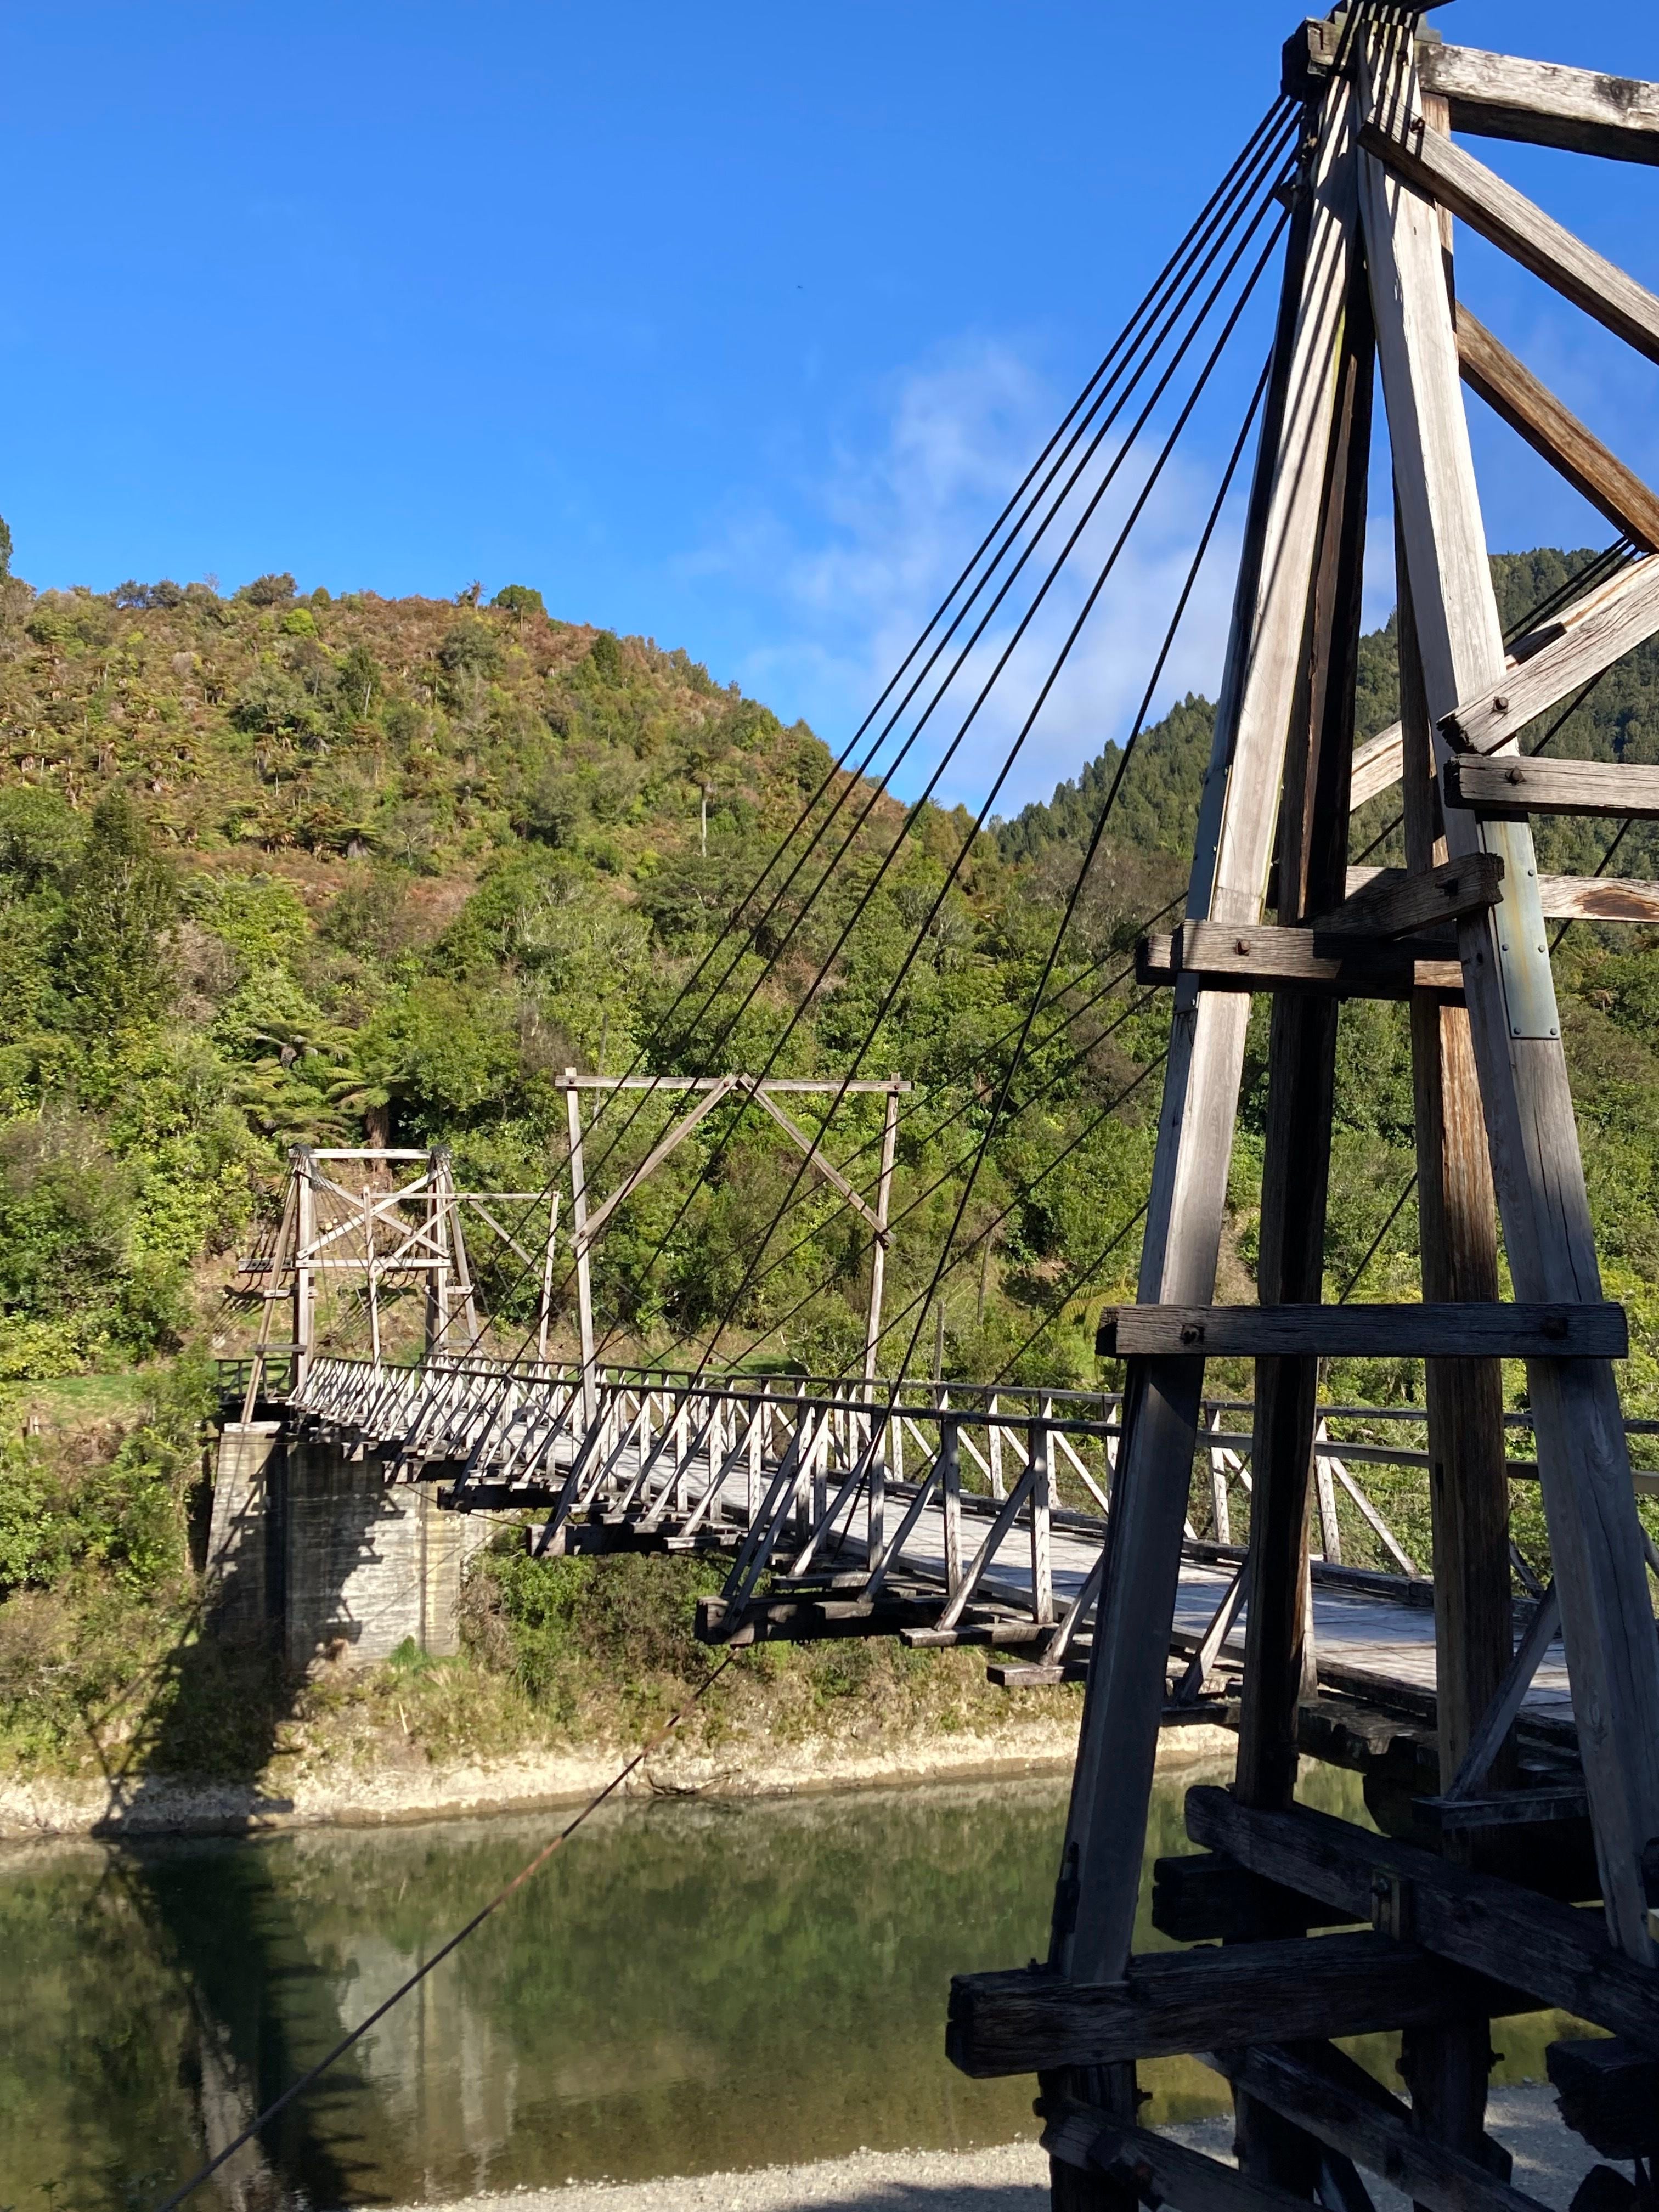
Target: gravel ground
1549,2164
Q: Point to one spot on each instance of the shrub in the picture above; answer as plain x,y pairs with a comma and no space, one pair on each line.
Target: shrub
519,599
471,644
274,703
271,589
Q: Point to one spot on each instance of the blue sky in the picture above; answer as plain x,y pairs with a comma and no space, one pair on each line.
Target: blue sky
728,326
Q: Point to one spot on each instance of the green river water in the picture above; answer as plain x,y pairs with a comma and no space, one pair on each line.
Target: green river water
687,1986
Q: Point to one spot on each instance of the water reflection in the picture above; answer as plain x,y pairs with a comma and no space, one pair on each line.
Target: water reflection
687,1987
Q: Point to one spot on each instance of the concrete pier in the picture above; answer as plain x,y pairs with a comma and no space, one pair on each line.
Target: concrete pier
314,1543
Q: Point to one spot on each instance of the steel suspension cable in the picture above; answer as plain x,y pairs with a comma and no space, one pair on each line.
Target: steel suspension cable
1172,630
1053,677
1138,509
1266,173
1238,187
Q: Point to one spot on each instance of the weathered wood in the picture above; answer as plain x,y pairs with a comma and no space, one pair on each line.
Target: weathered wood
1563,898
1337,963
1534,413
815,1159
571,1080
1202,1897
1513,1808
1097,1896
1485,1738
1457,1219
1043,1572
1108,2094
1456,1330
1395,901
1153,2168
1544,103
1507,784
1549,1241
1491,1926
1175,2001
1429,162
304,1236
720,1089
878,1249
1335,2100
1313,840
1609,2093
1376,766
578,1236
1608,623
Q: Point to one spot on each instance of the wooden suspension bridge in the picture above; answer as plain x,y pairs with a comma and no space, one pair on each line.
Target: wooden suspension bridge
1515,1746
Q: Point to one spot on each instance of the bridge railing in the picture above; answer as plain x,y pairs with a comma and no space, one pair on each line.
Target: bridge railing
938,1505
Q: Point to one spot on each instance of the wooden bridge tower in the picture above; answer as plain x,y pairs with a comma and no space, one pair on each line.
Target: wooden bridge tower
1461,934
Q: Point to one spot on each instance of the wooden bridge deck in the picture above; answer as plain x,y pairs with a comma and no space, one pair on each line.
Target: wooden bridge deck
802,1495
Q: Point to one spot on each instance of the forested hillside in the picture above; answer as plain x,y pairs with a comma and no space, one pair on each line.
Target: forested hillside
276,870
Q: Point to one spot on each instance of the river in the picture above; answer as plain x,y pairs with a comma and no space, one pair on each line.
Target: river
686,1987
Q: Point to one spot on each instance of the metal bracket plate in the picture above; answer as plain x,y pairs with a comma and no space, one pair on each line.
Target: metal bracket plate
1514,929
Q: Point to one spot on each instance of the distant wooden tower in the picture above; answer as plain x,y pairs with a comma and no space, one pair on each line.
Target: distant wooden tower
1452,1942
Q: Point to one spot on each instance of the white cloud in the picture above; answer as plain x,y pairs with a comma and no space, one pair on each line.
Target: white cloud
845,584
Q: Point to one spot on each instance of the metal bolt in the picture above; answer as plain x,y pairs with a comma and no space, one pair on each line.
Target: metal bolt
1501,701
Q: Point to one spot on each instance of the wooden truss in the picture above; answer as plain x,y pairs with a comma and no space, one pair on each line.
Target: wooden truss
710,1091
383,1232
1459,935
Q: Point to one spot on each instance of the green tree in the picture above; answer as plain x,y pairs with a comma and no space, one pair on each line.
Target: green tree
122,898
275,589
520,601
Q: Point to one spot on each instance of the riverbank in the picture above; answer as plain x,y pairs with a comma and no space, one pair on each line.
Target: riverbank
1550,2162
352,1794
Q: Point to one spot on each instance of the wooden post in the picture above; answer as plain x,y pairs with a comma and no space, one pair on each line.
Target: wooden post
305,1282
374,1275
1457,1214
455,1245
878,1253
437,1281
281,1253
950,1467
573,1108
1446,2069
1280,1661
1613,1659
1042,1578
1302,1071
543,1306
1097,1895
1330,1528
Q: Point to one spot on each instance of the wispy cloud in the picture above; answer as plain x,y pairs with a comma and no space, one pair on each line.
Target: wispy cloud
847,579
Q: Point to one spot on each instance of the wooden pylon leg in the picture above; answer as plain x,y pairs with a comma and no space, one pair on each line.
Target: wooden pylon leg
1099,1885
1457,1212
1583,1460
1446,2067
1302,1070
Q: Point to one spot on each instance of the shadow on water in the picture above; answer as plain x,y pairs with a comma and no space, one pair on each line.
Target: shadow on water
162,1994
